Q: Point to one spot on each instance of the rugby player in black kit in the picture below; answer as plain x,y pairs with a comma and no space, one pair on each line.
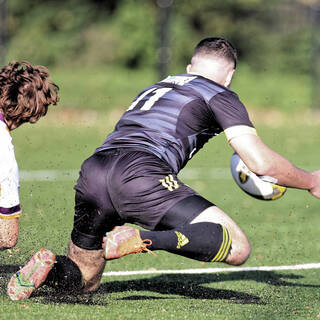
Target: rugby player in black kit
132,178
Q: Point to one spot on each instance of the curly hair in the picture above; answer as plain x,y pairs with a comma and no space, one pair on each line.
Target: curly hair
25,93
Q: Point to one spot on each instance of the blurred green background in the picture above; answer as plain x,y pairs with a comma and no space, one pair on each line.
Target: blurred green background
102,53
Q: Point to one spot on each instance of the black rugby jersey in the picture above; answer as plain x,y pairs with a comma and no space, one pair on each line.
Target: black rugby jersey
175,117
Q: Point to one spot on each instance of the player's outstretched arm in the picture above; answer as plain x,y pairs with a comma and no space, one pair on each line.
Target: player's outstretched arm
265,162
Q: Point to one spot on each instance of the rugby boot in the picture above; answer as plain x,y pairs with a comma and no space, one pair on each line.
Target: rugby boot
25,281
122,241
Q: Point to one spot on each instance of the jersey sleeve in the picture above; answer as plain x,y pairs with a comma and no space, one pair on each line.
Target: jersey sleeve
231,115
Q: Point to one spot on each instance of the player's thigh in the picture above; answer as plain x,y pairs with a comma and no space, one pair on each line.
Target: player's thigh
216,215
189,206
9,231
91,264
143,187
94,211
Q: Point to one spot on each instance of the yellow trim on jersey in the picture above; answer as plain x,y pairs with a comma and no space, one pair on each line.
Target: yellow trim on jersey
237,131
16,215
225,246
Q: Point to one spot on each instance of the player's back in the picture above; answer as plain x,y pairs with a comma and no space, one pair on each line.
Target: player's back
171,119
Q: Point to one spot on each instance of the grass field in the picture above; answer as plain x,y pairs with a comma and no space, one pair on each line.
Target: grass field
283,232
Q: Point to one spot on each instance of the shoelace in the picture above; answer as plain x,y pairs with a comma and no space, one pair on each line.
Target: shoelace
143,248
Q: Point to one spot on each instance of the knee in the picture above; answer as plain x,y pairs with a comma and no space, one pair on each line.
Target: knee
239,253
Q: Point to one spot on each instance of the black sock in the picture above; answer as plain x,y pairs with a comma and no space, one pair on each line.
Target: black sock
65,275
202,241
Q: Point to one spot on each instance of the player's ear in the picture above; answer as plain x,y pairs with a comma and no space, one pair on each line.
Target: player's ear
229,78
188,68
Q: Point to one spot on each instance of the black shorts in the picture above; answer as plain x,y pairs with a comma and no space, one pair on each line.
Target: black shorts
120,186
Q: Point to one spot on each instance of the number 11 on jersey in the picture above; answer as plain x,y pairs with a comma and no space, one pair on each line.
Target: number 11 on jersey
157,93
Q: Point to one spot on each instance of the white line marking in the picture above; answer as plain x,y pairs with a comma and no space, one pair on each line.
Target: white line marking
68,175
213,270
205,270
49,175
186,173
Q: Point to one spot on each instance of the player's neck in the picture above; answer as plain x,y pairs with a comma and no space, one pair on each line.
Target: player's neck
214,79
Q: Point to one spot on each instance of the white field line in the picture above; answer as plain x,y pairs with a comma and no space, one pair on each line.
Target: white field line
205,270
48,175
69,175
187,174
213,270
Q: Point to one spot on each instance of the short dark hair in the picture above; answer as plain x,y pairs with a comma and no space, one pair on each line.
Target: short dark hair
217,46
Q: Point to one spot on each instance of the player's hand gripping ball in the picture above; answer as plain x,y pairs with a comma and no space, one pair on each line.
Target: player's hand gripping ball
260,187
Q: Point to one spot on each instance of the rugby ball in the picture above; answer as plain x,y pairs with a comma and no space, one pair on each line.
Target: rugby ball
260,187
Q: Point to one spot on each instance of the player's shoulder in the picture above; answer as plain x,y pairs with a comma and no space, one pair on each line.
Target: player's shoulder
227,97
195,85
207,88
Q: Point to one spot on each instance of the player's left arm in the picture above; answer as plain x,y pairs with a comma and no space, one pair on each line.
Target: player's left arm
264,161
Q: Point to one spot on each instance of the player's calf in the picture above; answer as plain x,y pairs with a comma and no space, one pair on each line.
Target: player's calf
204,241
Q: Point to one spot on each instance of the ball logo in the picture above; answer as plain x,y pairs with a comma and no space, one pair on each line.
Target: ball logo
243,177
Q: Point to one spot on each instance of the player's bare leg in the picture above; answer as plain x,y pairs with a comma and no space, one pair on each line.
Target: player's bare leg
91,264
9,231
240,248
